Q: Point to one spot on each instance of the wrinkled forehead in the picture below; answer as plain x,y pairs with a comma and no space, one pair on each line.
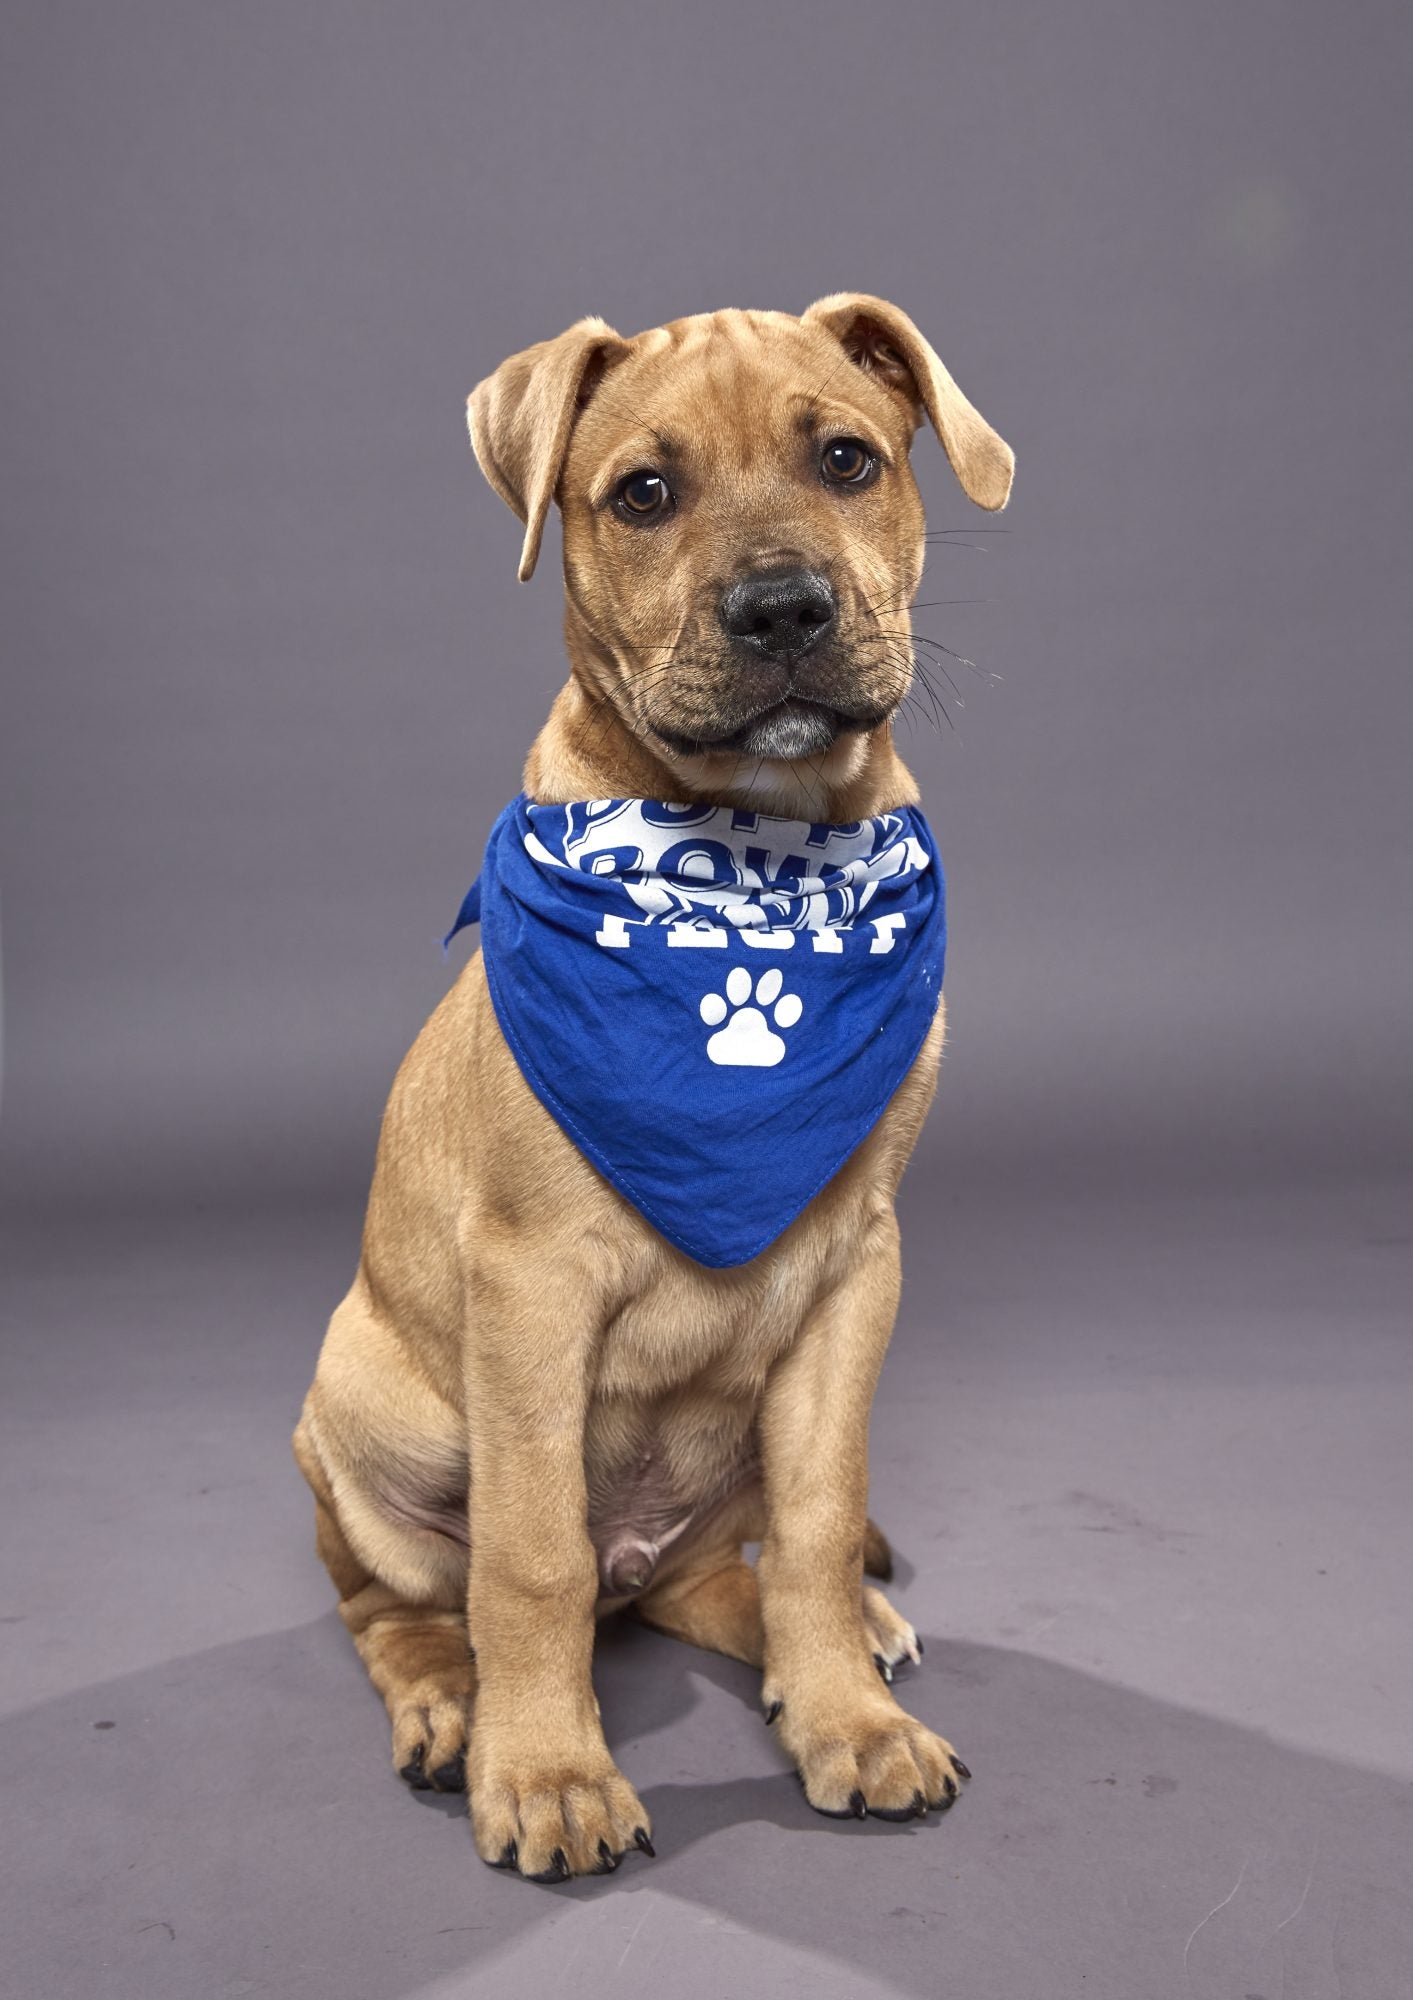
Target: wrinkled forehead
731,387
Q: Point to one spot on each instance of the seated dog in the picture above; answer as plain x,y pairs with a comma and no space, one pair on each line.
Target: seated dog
624,1293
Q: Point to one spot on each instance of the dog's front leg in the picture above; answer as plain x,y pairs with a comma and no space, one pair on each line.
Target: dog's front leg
546,1797
856,1749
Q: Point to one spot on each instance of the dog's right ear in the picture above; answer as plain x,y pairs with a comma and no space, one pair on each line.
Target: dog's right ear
521,418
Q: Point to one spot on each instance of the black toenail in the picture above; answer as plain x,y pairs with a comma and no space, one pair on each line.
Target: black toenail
509,1857
883,1667
858,1805
608,1860
640,1835
950,1787
921,1649
962,1770
414,1770
919,1806
892,1812
772,1712
451,1776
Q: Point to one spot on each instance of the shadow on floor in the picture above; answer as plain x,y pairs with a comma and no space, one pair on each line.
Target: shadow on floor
226,1824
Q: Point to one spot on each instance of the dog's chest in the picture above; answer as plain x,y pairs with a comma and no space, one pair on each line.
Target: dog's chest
688,1330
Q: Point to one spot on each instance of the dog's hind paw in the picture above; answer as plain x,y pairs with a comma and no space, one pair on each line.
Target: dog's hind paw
890,1636
430,1742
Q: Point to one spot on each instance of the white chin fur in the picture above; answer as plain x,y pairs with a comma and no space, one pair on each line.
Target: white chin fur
790,733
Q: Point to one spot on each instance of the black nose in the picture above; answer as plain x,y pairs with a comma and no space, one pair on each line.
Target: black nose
780,613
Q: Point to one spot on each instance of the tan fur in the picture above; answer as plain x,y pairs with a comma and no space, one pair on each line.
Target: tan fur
521,1358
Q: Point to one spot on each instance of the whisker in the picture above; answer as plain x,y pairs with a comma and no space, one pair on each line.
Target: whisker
937,703
599,395
917,718
922,668
922,689
929,604
818,796
898,655
936,645
812,399
925,666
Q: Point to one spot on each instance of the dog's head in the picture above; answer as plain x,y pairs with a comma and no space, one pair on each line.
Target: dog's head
742,531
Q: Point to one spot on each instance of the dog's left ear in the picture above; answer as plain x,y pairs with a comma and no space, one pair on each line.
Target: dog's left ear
883,341
521,419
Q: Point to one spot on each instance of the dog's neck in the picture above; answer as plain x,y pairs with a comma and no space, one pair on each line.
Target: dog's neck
587,751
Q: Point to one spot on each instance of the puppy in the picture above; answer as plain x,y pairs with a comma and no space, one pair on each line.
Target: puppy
532,1407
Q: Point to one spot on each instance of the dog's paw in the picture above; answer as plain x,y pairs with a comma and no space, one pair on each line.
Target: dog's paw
551,1821
431,1737
890,1637
868,1756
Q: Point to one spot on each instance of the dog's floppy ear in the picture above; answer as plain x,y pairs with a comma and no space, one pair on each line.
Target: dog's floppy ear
884,342
521,417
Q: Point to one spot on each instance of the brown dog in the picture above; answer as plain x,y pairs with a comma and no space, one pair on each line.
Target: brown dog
531,1409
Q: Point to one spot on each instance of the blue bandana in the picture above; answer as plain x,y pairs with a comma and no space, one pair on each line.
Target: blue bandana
716,1006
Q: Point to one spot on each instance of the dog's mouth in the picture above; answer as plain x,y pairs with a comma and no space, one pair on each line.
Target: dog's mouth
789,729
794,727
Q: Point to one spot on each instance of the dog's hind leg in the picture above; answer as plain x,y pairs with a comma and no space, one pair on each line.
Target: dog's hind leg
713,1603
418,1655
711,1597
420,1661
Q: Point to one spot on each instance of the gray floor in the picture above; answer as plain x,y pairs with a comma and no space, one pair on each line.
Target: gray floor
1148,1464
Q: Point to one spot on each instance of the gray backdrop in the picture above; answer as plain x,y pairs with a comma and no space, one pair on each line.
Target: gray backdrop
1142,1439
269,674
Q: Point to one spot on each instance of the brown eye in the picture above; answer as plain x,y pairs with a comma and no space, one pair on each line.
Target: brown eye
643,494
848,462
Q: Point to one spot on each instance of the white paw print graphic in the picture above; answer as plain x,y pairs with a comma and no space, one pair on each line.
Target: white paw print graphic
747,1041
